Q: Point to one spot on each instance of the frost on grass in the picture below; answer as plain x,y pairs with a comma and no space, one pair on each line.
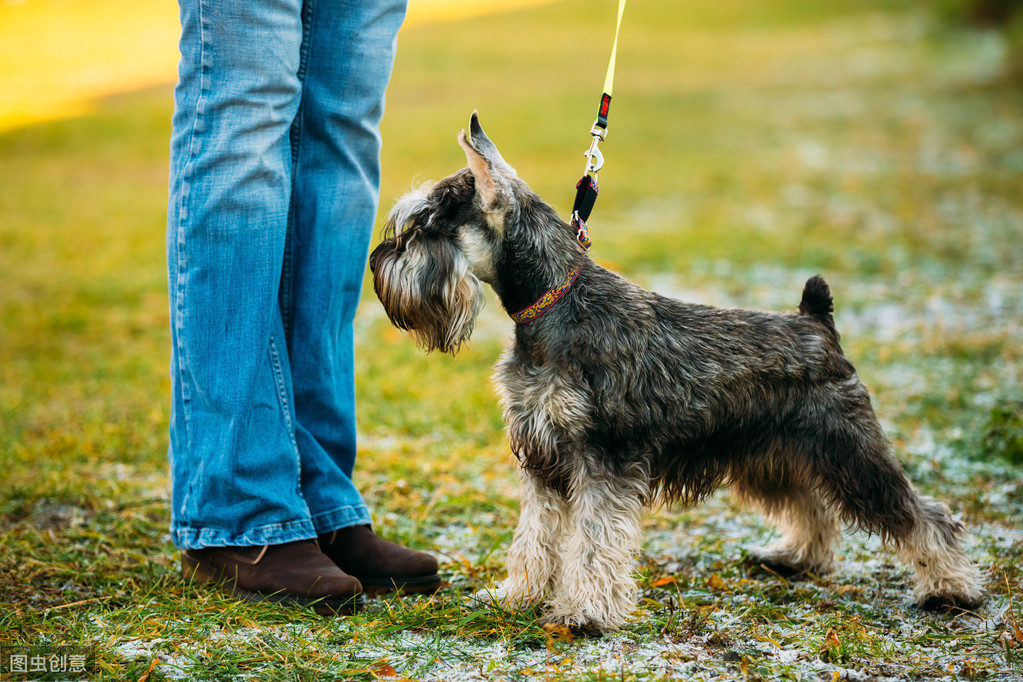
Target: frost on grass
710,621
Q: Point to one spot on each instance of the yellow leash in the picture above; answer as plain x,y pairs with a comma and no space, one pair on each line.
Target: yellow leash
609,80
586,189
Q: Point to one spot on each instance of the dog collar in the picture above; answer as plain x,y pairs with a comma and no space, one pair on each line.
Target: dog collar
547,300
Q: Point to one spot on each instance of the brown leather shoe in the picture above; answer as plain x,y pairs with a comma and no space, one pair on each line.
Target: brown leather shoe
380,566
294,573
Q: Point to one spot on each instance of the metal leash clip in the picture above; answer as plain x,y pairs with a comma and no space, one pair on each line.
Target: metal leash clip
594,158
586,189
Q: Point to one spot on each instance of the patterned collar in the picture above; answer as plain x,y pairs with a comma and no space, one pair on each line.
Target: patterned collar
547,300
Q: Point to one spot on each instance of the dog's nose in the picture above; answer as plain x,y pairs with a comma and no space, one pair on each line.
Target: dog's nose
381,247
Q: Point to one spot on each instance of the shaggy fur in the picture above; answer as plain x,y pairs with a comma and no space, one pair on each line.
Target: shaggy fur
618,397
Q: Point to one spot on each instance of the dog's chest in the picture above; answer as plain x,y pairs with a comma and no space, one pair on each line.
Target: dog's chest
539,398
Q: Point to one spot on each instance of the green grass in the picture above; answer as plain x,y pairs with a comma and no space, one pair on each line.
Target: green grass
751,144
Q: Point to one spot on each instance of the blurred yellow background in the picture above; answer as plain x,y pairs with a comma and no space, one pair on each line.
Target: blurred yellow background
57,57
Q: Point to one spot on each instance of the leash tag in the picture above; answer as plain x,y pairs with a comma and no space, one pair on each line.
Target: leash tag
582,233
605,107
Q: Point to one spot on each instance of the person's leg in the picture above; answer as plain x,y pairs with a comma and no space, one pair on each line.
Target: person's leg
235,463
346,65
234,460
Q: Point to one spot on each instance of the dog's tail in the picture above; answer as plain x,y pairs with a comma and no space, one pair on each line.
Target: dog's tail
817,301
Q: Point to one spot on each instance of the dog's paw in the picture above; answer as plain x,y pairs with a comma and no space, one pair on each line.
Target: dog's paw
590,626
594,617
959,586
499,597
762,564
950,602
779,561
966,596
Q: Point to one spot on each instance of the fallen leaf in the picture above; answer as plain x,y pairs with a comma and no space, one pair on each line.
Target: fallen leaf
145,675
716,582
661,582
558,632
386,671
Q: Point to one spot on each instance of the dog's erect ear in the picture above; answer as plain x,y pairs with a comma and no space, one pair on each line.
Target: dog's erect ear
478,145
488,168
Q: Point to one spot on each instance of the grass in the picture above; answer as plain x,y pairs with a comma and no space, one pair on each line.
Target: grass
751,144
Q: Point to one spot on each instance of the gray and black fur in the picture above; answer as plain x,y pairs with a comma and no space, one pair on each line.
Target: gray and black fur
618,397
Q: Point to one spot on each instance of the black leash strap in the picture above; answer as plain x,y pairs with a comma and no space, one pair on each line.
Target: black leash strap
587,189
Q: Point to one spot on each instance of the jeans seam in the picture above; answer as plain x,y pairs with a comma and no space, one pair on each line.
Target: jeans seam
287,280
282,391
282,396
182,218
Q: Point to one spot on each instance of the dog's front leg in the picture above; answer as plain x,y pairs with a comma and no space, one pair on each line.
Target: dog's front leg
596,591
535,554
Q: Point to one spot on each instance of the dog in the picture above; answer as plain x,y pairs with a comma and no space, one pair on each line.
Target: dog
616,398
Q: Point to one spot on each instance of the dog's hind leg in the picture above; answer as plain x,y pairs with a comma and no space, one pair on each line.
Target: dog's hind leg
535,554
809,528
858,475
945,576
596,591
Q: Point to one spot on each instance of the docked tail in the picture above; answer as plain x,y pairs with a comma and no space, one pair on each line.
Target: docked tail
817,301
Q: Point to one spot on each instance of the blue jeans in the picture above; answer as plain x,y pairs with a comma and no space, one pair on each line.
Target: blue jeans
274,187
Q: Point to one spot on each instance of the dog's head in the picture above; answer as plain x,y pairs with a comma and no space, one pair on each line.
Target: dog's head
441,240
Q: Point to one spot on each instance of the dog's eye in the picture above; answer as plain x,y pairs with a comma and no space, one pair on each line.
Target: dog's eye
454,195
456,192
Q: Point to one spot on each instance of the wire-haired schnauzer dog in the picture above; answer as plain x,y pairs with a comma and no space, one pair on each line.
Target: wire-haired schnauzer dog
616,397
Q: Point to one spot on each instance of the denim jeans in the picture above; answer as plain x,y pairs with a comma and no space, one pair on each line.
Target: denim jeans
274,187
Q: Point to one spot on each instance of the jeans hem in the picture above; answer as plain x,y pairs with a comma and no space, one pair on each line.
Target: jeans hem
186,537
343,517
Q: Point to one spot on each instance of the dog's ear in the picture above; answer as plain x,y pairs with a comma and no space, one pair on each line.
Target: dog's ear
489,169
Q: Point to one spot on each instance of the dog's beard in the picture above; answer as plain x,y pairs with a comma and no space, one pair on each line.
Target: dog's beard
428,288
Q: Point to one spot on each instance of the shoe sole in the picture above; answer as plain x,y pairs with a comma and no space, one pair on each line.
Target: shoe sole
375,586
195,571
